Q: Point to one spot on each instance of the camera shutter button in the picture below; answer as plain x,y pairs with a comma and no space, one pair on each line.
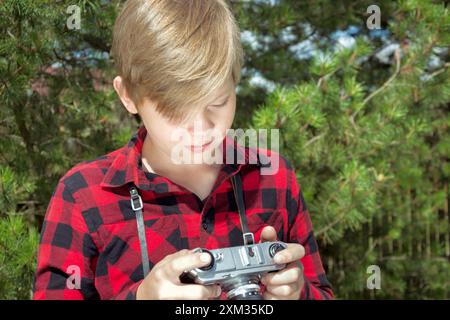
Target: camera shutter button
274,248
208,267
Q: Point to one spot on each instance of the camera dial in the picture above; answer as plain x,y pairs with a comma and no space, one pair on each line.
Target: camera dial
209,266
275,247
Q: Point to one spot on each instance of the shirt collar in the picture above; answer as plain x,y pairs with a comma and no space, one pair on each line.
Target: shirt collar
126,165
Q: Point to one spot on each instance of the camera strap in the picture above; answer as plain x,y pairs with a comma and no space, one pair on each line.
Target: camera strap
137,206
236,181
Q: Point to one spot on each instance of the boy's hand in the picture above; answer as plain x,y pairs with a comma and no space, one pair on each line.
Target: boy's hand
286,284
163,282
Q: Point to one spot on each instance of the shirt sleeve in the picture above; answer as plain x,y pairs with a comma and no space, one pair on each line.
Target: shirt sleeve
316,285
68,253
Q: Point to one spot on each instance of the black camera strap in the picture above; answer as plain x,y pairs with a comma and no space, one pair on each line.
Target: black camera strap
239,196
137,206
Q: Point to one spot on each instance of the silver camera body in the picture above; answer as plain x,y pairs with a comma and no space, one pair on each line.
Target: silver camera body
238,270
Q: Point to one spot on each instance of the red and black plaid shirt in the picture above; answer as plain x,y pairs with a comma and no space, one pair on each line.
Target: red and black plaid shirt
90,224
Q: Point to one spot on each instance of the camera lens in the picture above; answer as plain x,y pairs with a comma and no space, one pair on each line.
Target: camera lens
243,288
249,291
274,248
248,296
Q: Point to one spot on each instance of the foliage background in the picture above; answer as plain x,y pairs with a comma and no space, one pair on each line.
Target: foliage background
363,116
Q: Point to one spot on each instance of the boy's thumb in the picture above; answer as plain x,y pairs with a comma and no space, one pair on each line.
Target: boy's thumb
268,234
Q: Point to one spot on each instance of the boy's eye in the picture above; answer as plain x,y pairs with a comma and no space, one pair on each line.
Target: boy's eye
218,105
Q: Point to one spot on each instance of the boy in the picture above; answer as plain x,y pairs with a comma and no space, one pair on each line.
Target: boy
178,64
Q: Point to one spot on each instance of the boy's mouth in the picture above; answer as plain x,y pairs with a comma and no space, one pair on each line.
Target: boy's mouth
197,148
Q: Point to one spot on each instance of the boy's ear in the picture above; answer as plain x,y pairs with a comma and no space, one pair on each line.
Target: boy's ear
123,95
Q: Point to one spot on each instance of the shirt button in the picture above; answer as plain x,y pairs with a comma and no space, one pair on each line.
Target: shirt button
205,225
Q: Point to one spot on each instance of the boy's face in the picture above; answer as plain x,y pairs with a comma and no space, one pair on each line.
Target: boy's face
214,117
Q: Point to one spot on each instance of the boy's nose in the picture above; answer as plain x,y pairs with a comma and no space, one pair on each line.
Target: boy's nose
200,127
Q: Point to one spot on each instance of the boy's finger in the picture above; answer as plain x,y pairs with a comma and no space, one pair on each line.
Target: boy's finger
197,292
290,274
283,291
293,252
268,234
188,261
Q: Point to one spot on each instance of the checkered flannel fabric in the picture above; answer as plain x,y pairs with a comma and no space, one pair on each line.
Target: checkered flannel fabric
90,228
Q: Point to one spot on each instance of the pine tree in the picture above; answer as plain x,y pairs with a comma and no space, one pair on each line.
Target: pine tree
54,114
373,160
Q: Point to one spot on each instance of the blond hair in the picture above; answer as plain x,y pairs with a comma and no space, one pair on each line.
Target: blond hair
176,52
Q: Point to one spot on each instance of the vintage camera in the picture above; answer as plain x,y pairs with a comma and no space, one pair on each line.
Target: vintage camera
238,270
